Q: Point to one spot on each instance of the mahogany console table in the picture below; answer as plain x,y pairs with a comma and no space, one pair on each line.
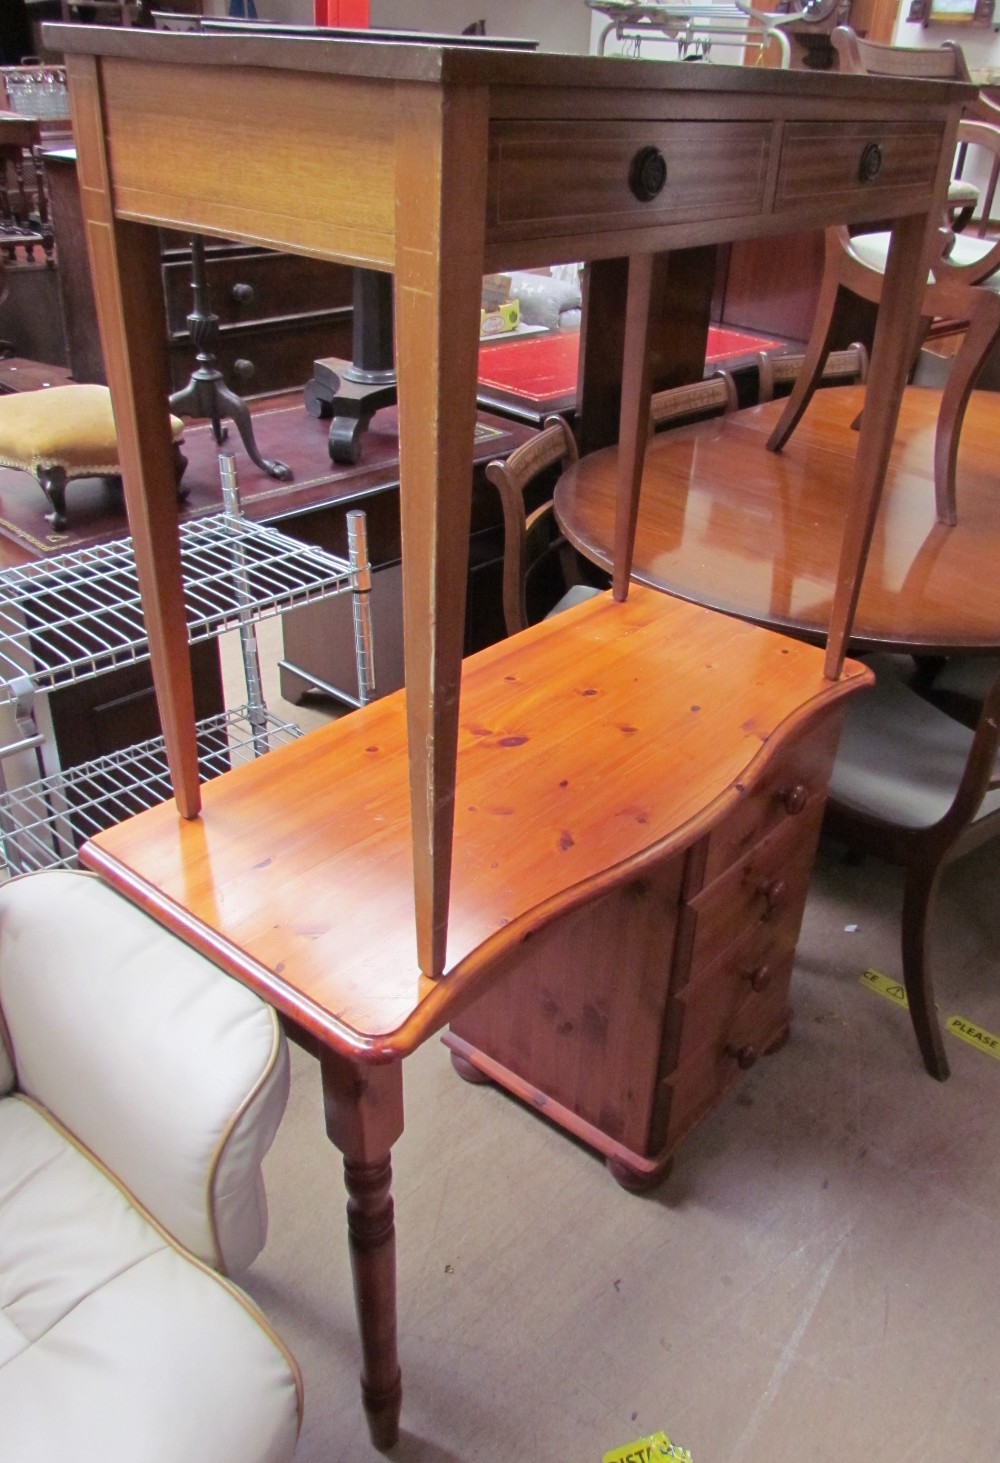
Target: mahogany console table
642,785
447,162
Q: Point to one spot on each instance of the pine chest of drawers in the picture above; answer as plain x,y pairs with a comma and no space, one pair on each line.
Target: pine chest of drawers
626,1021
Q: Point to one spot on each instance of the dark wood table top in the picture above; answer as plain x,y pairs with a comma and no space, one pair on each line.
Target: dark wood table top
725,523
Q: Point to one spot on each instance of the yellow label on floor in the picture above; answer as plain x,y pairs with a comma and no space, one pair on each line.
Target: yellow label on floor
974,1035
648,1450
883,986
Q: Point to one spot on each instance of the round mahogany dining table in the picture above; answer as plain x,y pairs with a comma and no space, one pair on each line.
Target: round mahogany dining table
727,524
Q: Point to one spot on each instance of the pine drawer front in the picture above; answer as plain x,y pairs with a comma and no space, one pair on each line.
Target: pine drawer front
696,1086
749,981
790,788
767,884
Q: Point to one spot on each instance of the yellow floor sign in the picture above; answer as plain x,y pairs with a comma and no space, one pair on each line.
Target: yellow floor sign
883,986
648,1450
966,1030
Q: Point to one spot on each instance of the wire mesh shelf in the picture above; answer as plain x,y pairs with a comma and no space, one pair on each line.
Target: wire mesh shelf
79,614
43,823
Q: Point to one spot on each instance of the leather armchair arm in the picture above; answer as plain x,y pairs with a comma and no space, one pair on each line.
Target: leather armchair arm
169,1072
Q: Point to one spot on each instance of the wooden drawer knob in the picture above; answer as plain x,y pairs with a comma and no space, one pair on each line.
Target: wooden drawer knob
759,978
743,1056
242,294
871,162
773,894
647,173
793,799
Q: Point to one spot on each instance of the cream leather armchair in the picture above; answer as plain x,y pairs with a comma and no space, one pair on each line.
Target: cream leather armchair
139,1091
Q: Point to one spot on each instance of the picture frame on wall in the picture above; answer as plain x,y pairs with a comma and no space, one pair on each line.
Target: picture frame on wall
952,12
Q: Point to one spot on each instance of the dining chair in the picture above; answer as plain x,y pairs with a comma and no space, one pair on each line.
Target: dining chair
938,63
542,573
26,235
775,371
913,785
963,287
540,568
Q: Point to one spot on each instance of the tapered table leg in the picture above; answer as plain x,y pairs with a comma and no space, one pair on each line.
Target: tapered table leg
438,288
128,289
647,281
364,1117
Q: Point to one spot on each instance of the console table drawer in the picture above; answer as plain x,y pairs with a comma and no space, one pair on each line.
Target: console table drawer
844,162
550,176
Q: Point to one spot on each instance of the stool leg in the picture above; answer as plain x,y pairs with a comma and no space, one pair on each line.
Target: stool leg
52,481
180,464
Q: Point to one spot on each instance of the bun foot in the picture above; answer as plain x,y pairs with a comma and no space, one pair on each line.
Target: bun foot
634,1180
468,1072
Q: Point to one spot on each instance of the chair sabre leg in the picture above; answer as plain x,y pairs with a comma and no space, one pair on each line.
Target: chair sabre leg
918,904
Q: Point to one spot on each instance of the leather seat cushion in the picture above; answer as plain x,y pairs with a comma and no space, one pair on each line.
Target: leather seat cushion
72,427
105,1325
873,250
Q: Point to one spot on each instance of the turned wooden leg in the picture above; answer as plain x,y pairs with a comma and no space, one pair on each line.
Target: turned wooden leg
372,1236
364,1117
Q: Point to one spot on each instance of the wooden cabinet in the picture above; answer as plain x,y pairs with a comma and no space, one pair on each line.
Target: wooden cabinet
277,312
626,1021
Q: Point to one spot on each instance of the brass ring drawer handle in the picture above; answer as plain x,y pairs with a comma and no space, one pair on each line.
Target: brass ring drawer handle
647,173
871,162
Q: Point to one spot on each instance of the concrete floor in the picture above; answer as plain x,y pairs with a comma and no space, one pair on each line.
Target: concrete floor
817,1279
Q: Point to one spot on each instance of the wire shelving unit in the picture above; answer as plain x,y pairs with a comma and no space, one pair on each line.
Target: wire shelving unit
79,615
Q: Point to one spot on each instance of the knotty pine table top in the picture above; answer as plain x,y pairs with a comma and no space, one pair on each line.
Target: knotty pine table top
588,745
725,523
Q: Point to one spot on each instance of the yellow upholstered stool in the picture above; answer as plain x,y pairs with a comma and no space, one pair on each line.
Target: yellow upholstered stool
66,432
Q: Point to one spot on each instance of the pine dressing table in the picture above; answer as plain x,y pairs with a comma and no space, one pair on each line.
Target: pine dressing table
440,164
